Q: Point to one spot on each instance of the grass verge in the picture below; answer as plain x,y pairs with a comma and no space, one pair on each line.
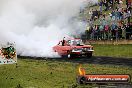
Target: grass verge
113,50
51,74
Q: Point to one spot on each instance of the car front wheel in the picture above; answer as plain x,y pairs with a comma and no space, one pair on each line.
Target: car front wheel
69,55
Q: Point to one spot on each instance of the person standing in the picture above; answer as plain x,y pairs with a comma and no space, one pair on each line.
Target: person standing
123,31
100,5
87,32
101,29
114,30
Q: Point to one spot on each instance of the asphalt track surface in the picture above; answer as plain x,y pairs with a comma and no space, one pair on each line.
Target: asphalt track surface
84,60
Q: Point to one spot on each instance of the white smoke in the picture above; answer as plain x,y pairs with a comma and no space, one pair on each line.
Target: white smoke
37,25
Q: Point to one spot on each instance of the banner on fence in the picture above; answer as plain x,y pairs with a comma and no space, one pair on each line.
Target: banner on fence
8,54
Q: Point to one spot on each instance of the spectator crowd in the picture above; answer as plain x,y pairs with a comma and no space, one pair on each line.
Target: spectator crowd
116,24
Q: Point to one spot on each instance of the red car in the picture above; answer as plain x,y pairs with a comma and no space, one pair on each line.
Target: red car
72,48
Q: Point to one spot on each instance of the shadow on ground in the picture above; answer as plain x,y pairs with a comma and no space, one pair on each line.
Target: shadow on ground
94,60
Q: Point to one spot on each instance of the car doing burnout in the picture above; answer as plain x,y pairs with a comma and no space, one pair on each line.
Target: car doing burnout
72,48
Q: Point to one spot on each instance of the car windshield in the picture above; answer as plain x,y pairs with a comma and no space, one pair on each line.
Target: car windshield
76,42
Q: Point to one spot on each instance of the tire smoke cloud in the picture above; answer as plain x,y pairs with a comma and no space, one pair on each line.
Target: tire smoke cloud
37,25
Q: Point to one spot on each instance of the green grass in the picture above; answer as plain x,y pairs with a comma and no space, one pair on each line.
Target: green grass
113,50
51,74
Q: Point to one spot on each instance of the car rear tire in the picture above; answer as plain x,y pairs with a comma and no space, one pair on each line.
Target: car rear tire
64,56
